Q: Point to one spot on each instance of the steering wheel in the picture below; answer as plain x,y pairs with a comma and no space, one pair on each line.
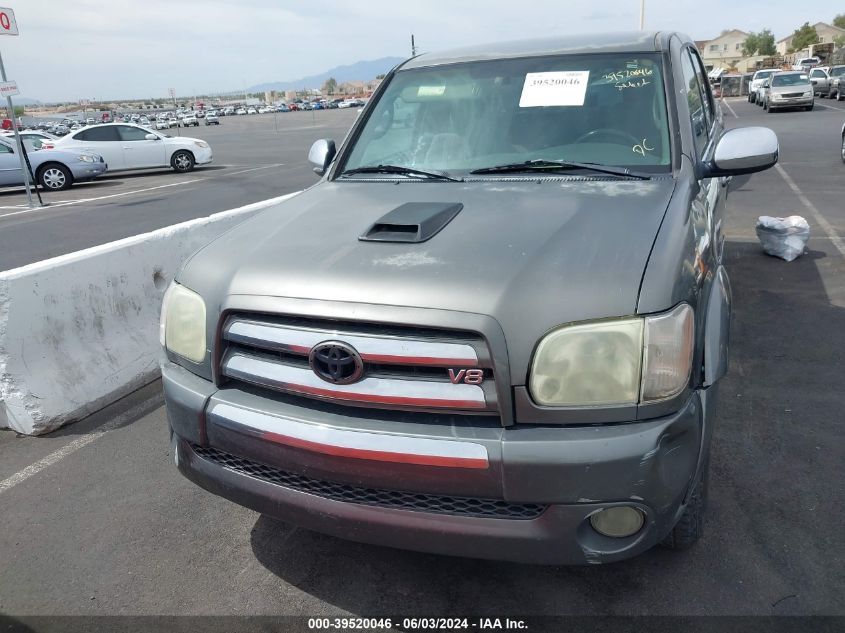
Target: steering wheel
607,132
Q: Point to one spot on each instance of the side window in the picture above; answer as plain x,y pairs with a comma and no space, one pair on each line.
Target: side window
698,119
129,133
706,93
5,149
817,73
97,134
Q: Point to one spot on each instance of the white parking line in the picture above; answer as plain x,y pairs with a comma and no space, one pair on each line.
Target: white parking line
828,107
75,445
817,216
243,171
66,203
730,108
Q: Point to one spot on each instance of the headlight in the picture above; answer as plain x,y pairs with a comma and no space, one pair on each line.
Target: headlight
182,324
619,362
86,158
200,143
589,364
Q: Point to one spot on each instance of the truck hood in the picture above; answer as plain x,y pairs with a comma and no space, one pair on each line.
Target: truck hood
530,254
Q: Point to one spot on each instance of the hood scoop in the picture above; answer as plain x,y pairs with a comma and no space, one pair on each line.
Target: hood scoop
412,222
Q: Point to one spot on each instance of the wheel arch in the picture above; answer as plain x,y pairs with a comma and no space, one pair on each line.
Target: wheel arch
717,328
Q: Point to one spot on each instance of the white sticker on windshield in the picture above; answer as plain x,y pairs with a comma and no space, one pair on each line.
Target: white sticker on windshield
554,89
431,91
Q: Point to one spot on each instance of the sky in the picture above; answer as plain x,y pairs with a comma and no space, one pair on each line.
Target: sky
110,49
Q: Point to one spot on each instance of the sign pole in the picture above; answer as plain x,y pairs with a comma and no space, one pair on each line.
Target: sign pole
9,26
18,142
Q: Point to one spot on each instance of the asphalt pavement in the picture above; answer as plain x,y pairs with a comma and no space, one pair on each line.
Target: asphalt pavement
255,157
110,527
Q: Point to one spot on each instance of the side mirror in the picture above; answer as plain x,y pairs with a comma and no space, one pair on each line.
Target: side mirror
743,150
321,155
151,137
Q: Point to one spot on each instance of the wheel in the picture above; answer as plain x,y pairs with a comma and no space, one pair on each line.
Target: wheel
843,148
690,526
55,177
809,107
182,161
839,96
765,105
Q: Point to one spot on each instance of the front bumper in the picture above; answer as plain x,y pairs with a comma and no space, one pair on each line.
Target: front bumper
792,102
559,476
203,155
86,171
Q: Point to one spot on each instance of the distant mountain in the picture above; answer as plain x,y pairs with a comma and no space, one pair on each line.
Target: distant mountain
24,101
363,71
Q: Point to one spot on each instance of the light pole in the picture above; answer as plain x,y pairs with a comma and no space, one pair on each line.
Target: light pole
642,14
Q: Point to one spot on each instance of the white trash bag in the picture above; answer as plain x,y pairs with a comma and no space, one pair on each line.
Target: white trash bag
783,237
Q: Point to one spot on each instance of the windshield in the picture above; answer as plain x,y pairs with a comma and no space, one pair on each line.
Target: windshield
790,80
606,109
837,70
762,74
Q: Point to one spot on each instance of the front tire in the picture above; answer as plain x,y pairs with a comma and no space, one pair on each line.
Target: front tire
182,161
690,526
54,177
843,148
809,107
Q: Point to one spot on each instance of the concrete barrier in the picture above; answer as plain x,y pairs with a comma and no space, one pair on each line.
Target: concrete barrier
81,330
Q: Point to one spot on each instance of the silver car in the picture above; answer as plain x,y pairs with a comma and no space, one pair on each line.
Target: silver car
53,169
757,82
788,90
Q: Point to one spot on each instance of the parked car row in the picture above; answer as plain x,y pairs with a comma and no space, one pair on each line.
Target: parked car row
775,89
92,150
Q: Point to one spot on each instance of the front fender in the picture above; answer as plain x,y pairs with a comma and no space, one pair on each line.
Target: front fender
717,328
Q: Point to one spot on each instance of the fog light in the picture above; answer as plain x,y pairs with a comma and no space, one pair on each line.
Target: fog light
617,522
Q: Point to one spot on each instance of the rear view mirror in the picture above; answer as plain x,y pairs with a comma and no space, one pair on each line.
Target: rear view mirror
321,155
744,151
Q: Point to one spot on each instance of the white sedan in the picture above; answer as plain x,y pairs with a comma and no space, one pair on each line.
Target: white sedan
127,146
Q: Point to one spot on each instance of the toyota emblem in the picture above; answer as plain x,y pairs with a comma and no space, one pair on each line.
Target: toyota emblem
336,362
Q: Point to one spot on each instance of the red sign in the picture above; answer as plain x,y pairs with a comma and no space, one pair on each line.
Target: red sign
8,24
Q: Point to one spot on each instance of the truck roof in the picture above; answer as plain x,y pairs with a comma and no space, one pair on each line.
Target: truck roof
622,42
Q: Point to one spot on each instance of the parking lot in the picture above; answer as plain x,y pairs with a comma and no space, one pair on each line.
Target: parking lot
255,157
97,520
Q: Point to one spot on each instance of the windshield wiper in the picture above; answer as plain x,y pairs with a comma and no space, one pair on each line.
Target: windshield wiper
559,165
396,169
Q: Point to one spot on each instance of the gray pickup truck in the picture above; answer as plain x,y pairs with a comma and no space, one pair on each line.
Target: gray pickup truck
836,83
495,327
826,80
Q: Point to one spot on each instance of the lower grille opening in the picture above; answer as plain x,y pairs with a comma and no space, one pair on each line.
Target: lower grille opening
420,502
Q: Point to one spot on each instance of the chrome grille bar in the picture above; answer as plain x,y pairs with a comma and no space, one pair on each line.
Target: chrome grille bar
391,392
372,348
